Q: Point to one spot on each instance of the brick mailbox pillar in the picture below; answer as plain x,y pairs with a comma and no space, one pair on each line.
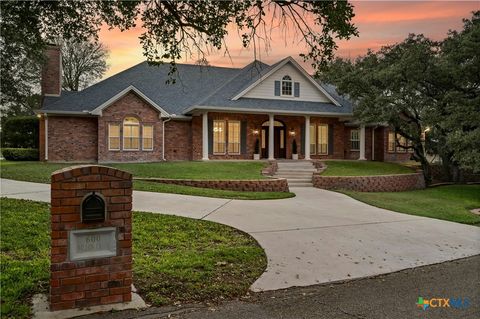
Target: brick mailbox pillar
91,232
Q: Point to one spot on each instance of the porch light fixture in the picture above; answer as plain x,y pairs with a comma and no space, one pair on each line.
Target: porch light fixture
255,132
292,132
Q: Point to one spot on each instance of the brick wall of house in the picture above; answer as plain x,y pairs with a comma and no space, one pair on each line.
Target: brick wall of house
70,139
178,140
130,105
85,283
379,143
196,131
381,183
51,82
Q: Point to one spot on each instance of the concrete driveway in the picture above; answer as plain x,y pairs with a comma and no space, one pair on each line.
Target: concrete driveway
316,237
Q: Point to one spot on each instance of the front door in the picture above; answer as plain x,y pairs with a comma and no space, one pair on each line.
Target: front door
279,142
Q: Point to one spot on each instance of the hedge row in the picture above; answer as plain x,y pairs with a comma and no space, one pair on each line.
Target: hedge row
20,132
20,154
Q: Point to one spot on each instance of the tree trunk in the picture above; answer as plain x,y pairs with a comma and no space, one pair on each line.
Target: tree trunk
419,155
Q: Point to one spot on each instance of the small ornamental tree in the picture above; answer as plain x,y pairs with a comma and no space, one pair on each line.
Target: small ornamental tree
257,146
294,147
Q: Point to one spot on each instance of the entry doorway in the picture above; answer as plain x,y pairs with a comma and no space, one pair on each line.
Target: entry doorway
279,139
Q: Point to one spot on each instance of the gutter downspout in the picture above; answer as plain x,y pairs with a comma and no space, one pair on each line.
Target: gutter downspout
163,137
46,136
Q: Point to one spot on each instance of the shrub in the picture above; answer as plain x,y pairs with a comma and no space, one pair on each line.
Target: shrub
257,146
20,154
20,132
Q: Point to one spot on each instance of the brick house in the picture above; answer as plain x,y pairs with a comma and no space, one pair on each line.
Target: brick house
209,113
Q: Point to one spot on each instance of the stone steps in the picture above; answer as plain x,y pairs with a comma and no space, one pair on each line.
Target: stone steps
297,173
300,184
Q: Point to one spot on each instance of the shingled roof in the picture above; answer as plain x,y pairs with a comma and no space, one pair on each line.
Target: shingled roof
196,87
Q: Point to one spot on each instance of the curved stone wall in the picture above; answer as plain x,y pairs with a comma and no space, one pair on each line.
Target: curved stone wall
260,185
379,183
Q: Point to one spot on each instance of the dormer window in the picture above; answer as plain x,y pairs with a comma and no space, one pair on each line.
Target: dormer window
287,86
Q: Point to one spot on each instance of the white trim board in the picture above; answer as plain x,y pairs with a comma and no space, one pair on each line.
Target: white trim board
263,111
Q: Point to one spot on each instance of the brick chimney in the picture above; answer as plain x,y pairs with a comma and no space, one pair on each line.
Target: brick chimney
52,72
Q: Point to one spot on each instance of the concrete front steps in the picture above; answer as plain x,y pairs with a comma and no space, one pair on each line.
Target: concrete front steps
298,173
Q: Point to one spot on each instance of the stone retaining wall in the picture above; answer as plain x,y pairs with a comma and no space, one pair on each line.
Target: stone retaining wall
380,183
261,185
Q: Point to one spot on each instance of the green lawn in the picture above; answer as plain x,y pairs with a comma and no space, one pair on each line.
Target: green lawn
175,258
40,172
363,168
207,192
452,202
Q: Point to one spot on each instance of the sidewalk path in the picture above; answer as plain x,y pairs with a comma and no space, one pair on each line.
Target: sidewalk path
316,237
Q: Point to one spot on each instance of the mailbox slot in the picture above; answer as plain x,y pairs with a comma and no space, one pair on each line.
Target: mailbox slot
93,208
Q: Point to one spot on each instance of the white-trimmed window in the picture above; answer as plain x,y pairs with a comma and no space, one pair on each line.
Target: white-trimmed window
147,137
322,139
233,137
313,143
354,140
287,86
113,137
219,137
131,134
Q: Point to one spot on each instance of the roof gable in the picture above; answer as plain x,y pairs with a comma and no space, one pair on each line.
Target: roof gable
246,92
98,110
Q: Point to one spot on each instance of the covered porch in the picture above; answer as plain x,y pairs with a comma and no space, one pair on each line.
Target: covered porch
234,136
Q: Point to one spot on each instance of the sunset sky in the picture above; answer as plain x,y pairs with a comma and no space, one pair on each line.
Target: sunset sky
379,23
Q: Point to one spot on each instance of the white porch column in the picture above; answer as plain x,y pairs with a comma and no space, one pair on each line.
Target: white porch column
362,143
307,138
270,137
205,136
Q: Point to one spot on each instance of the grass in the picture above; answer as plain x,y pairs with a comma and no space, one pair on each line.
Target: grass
176,259
363,168
207,192
452,202
40,172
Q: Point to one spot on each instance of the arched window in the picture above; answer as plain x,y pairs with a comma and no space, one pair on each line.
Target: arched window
131,133
287,86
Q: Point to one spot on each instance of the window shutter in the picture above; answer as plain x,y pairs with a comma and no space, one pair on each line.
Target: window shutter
210,137
302,138
277,88
243,137
330,139
296,89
